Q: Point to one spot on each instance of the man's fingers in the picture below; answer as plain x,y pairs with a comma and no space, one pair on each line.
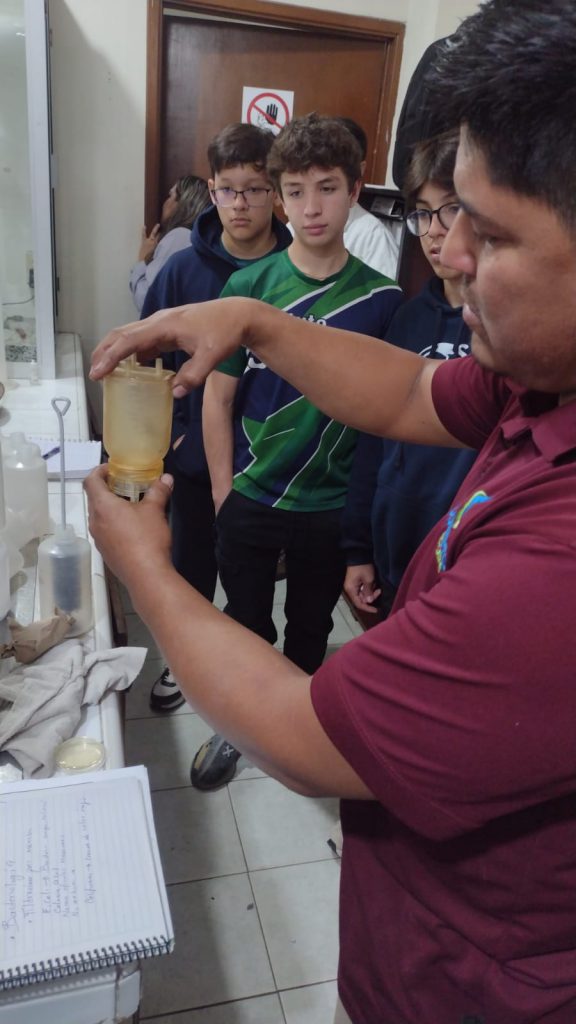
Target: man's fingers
192,373
120,343
95,480
159,491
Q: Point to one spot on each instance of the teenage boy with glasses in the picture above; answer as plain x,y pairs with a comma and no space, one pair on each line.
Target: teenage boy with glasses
235,232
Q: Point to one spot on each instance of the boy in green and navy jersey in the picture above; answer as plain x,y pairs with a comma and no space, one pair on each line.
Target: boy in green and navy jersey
279,467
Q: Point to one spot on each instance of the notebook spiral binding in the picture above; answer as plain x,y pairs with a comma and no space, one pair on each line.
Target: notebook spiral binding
80,963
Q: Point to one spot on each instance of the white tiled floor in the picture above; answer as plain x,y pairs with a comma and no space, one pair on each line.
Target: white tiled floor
253,885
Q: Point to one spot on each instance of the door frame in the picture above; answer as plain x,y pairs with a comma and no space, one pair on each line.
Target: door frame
278,15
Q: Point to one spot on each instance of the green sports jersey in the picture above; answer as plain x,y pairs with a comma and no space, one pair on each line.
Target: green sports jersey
287,453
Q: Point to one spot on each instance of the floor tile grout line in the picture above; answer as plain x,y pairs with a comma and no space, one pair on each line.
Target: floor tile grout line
227,1002
253,871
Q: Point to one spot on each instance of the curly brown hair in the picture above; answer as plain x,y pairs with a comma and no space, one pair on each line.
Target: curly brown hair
314,141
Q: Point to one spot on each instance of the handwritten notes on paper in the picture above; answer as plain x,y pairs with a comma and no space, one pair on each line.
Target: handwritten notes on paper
79,869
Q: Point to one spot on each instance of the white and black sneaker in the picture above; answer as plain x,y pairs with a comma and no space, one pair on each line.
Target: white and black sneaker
165,694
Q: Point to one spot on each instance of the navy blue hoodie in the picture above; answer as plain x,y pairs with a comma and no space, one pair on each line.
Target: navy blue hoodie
195,274
399,491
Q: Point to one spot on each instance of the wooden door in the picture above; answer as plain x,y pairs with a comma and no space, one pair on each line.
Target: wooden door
199,60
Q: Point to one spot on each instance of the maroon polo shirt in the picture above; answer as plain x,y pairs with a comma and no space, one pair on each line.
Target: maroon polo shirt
458,893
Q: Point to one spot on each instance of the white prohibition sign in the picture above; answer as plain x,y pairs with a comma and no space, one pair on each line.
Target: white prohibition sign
268,110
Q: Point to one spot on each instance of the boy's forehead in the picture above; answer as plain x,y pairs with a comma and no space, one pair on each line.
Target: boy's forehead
242,172
313,173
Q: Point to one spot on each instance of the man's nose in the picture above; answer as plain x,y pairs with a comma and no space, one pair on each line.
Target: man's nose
240,200
458,251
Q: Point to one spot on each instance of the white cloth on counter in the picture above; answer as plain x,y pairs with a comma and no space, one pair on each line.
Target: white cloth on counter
47,698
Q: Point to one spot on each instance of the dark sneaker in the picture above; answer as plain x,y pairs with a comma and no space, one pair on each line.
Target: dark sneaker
165,694
214,764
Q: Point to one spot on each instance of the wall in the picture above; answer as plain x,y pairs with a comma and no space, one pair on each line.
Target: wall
451,13
15,216
98,80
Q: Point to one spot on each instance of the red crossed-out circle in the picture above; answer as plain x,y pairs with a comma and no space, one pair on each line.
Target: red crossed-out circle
259,104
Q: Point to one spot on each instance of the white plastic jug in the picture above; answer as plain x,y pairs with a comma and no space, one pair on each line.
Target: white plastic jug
26,486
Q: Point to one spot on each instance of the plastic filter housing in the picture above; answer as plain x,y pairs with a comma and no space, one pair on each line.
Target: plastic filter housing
137,424
65,579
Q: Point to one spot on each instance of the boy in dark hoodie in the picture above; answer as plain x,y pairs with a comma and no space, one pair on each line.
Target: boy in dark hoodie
399,491
236,231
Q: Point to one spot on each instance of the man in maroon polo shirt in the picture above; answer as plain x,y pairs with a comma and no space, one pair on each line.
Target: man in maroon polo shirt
449,730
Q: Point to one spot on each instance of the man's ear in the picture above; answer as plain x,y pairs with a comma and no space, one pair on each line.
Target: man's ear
211,186
362,169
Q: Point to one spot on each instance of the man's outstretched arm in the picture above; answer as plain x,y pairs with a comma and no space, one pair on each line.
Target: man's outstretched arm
360,381
248,691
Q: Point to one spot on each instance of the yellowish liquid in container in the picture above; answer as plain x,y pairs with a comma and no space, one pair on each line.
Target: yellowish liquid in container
80,754
137,425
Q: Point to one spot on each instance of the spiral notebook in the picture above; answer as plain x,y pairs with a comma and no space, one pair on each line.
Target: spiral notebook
82,886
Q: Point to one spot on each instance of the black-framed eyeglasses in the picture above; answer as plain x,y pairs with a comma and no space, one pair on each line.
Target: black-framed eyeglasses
251,196
419,222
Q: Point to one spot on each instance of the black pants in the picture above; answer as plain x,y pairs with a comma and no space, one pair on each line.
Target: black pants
249,538
192,522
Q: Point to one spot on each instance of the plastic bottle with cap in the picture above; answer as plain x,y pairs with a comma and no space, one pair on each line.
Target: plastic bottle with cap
26,485
65,578
64,560
12,442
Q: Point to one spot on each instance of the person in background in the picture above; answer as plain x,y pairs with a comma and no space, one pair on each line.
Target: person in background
279,467
399,491
448,729
237,229
185,201
366,236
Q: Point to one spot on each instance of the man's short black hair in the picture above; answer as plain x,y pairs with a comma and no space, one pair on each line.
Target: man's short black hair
239,144
509,75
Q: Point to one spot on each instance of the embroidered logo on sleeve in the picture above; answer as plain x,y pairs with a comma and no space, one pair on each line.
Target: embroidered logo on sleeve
455,517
